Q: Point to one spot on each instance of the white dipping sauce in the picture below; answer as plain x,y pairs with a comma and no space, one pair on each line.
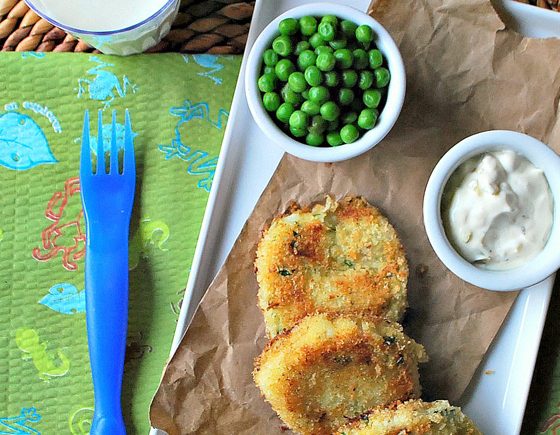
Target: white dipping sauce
99,15
497,210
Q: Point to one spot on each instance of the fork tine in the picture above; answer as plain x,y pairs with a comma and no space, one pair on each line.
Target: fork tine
85,156
114,159
100,152
129,165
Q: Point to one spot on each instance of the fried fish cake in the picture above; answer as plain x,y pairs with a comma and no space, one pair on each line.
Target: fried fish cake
414,417
335,257
330,368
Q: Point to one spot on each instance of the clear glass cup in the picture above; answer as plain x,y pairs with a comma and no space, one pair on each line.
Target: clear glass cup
131,39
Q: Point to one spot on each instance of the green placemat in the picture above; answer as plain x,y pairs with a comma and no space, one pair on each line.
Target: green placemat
179,107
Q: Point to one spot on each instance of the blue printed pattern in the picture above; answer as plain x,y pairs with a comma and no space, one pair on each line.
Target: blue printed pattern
33,55
210,62
200,163
107,132
23,144
65,299
104,85
20,423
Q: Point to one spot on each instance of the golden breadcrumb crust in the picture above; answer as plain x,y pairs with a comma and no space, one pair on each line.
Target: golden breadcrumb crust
331,368
335,257
414,417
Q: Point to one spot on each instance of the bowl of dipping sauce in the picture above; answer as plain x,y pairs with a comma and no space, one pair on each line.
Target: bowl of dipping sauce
491,210
120,27
325,82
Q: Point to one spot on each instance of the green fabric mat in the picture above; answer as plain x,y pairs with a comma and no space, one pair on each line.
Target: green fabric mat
179,107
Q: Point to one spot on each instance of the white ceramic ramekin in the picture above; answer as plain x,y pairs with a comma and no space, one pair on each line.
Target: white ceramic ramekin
387,118
534,270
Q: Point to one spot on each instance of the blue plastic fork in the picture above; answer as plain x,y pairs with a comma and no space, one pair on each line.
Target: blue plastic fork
107,198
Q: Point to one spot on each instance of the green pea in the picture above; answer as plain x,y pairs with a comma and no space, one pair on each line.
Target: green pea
306,59
301,46
318,94
297,81
271,101
326,30
372,98
364,34
361,60
284,112
348,28
305,94
318,125
331,79
282,45
310,107
338,43
349,78
323,49
345,96
349,133
290,96
298,119
365,80
308,25
344,58
334,139
314,139
330,19
333,125
329,111
375,58
270,57
382,77
316,41
288,26
269,70
284,68
313,76
368,118
267,82
298,132
349,117
325,61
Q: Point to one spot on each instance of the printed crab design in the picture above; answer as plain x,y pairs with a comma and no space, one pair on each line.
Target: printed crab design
66,234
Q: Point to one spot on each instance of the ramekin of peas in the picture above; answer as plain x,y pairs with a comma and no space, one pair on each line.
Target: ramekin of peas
325,82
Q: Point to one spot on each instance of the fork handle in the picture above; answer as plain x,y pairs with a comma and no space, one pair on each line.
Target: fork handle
106,278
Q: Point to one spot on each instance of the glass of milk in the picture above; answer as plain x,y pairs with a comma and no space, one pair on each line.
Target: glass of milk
120,27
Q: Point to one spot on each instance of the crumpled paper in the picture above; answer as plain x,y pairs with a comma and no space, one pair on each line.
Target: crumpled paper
466,73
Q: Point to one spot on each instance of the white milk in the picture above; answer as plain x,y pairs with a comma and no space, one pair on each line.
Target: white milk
99,15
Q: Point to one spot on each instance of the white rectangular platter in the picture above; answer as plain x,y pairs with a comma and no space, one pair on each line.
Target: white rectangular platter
497,397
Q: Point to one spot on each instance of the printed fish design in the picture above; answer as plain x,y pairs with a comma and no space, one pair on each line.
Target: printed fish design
65,299
23,144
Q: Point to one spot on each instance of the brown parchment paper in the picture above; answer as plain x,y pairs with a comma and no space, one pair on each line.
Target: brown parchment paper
466,73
